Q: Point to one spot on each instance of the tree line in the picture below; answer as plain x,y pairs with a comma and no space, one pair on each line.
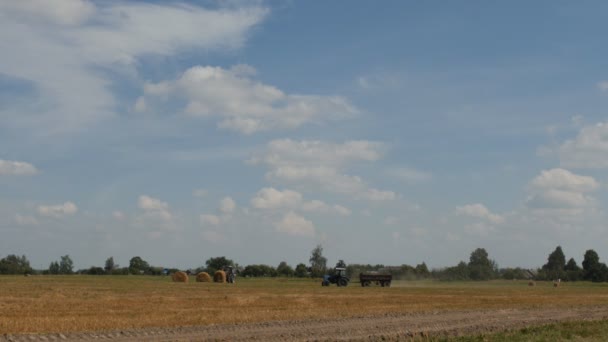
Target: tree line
479,267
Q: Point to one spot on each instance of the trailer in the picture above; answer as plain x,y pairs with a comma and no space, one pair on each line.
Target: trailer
383,280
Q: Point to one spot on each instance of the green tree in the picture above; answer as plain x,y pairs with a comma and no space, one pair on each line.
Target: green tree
480,266
341,264
54,268
137,265
422,270
66,265
284,270
14,264
215,264
110,265
573,271
318,263
593,269
301,271
556,262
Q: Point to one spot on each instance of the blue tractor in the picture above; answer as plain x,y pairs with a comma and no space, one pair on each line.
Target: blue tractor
338,277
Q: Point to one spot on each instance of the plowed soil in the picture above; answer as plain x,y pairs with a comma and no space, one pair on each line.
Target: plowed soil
385,327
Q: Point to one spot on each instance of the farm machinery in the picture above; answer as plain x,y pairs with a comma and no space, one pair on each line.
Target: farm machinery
379,279
338,277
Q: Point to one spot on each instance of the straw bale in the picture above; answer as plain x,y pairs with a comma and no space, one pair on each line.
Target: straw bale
219,277
180,277
203,277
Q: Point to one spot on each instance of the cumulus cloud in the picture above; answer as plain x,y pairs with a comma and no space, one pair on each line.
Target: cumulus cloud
588,150
560,188
25,220
154,207
564,180
16,168
294,224
58,211
271,198
243,104
227,205
80,39
603,85
322,207
479,211
118,215
322,164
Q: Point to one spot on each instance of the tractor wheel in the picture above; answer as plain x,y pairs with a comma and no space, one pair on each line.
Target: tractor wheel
342,282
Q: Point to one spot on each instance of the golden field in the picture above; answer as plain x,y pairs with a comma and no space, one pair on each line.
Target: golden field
44,304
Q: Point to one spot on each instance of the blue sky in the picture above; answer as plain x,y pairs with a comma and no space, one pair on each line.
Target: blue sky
389,133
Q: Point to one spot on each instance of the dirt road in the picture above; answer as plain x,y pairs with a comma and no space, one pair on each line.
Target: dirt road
390,326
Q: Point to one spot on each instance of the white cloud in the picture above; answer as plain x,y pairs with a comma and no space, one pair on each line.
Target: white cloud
154,207
588,150
294,224
603,85
243,104
25,220
479,211
271,198
207,219
61,12
561,189
118,215
58,211
322,164
227,205
564,180
80,39
322,207
16,168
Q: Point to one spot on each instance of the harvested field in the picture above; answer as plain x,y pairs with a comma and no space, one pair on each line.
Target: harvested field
69,304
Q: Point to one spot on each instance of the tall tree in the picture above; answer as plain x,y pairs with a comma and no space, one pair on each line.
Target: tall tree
137,265
480,266
217,263
285,270
66,265
318,263
301,271
54,268
556,263
593,269
110,266
573,272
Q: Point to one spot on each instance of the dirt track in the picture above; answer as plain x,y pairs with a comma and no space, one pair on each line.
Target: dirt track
391,327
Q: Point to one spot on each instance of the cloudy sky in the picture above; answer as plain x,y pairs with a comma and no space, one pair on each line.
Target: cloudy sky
396,133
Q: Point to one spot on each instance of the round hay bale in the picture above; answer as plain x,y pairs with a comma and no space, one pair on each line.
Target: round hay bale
555,284
531,283
179,277
203,277
219,277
